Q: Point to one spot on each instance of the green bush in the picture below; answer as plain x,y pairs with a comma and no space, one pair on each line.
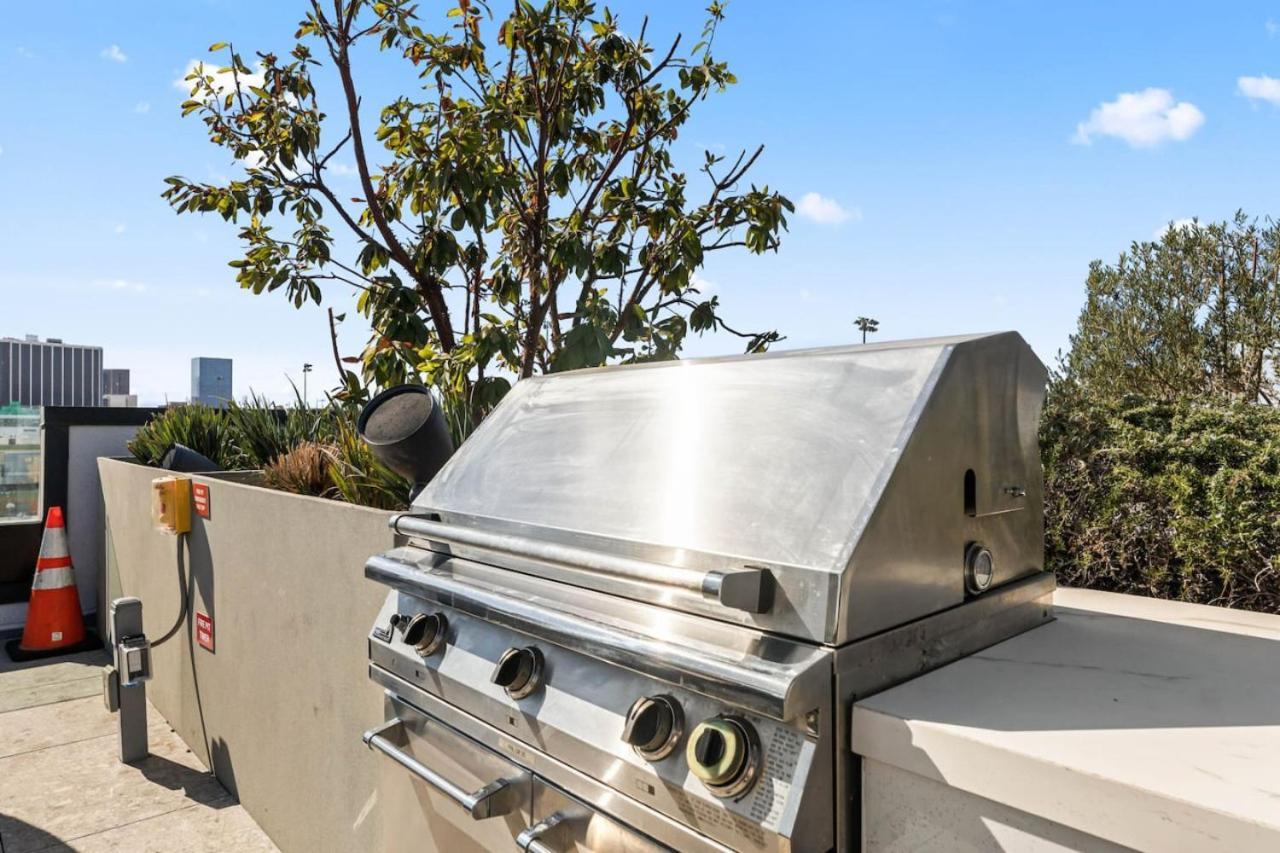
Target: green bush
1174,500
264,432
201,428
359,478
300,449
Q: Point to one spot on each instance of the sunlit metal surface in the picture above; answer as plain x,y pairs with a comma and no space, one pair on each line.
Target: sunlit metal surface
758,540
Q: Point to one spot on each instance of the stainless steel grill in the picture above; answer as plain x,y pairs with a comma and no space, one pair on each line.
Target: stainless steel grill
634,609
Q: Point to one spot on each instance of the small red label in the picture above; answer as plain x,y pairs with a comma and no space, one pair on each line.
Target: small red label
204,630
200,497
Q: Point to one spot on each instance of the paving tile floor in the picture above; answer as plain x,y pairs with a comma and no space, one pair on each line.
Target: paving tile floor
62,786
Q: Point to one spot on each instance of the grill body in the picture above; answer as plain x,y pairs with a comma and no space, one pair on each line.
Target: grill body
634,610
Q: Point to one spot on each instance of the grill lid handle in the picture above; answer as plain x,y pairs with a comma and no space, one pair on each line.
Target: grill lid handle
749,588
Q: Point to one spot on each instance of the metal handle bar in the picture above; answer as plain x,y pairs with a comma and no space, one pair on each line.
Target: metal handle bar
497,798
531,839
747,588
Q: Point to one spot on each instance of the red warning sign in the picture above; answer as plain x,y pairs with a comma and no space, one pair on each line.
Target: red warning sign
200,497
204,630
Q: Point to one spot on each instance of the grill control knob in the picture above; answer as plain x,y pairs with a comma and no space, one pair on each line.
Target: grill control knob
425,632
519,671
724,752
654,725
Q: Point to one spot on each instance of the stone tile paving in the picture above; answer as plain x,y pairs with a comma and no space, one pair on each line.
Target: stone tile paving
62,786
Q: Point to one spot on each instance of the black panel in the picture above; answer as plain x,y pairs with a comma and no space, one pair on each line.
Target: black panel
4,372
46,375
24,374
55,398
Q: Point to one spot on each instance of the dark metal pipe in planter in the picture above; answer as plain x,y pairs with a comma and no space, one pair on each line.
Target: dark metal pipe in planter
187,461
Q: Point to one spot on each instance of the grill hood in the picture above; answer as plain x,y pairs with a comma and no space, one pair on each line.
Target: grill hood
825,494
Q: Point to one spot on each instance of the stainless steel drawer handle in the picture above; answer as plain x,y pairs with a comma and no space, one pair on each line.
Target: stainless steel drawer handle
531,839
499,797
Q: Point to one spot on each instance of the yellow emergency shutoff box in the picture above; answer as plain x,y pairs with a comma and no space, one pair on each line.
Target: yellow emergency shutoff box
171,504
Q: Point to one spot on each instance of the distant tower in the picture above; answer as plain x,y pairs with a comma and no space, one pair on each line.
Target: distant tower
115,380
211,381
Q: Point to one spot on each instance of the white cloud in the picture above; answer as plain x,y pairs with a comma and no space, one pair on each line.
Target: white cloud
1273,29
25,53
1,150
120,228
258,160
120,284
1262,88
114,53
223,81
142,107
1176,225
1142,119
704,286
825,211
342,169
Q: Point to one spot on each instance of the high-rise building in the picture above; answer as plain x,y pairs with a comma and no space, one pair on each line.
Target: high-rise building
49,373
115,380
211,381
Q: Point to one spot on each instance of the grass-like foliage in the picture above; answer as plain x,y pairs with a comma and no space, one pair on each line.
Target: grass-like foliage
1176,500
304,470
265,432
203,429
360,478
299,449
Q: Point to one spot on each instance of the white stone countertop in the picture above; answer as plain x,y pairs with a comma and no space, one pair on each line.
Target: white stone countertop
1152,724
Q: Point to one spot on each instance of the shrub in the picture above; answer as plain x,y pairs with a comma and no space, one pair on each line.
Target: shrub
201,428
304,470
1174,500
301,450
264,432
359,478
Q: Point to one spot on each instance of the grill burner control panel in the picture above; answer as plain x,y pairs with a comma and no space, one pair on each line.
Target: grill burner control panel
731,775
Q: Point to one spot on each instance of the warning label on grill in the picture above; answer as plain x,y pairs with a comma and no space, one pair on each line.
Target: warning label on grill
204,630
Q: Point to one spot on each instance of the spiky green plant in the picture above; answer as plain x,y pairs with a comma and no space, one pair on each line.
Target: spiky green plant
264,432
203,429
359,477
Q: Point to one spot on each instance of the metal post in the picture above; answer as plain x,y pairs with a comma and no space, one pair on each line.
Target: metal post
133,668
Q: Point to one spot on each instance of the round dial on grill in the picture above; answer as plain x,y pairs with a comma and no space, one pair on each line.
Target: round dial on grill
654,725
426,631
724,752
519,671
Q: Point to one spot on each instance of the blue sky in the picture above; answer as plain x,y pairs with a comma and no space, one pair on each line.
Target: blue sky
967,161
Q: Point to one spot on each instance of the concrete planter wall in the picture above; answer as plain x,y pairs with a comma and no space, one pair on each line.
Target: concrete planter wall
278,706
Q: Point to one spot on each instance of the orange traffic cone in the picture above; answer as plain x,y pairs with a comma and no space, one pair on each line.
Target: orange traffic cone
54,624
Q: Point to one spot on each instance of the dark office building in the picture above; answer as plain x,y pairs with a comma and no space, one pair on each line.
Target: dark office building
115,380
49,373
211,381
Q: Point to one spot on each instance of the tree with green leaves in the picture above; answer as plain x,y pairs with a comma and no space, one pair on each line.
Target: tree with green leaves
1192,314
519,208
868,326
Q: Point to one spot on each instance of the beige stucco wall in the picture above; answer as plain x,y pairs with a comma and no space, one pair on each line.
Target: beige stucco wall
277,709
